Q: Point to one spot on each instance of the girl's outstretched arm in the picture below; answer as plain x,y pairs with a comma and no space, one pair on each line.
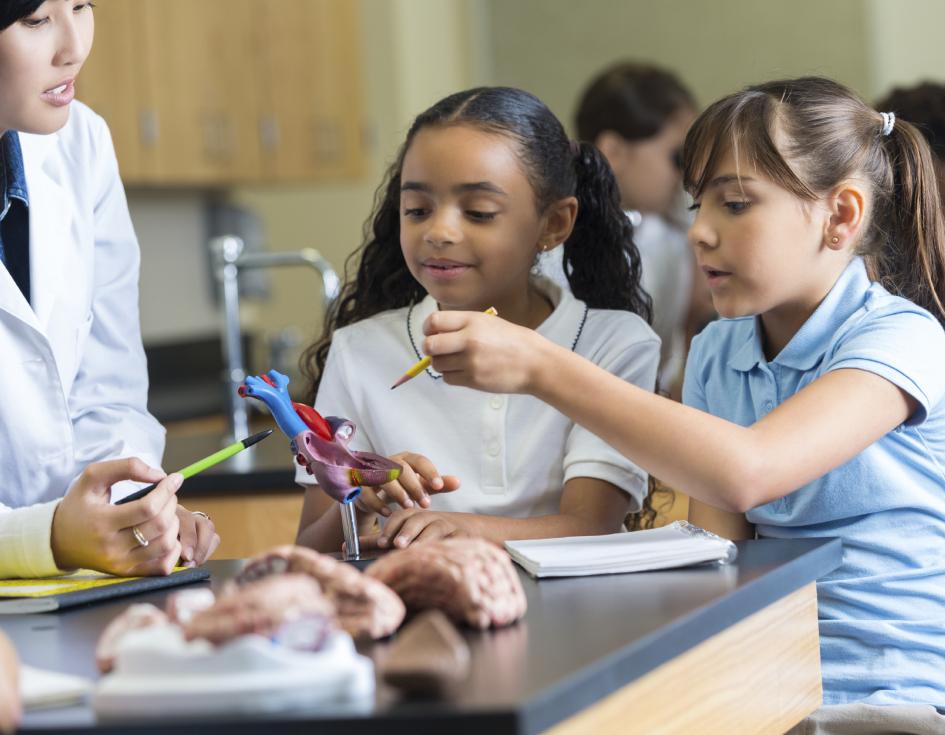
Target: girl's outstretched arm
720,463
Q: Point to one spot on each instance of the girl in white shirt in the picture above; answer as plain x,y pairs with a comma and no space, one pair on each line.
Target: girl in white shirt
486,181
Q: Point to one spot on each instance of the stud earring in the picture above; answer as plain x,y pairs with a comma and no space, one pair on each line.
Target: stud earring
834,239
536,264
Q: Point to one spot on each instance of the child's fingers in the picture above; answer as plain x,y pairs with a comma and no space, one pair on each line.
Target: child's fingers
429,476
446,321
450,484
369,542
392,527
449,343
372,500
406,490
433,531
411,528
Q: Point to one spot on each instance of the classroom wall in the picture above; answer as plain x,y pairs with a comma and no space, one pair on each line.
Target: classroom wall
905,40
715,47
416,51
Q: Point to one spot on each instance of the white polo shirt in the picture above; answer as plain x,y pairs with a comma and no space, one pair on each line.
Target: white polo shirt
667,272
513,454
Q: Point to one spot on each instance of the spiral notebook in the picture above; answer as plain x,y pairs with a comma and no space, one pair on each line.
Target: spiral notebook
678,544
79,588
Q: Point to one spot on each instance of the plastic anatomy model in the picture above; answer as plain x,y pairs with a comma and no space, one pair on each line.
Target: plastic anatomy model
321,446
270,646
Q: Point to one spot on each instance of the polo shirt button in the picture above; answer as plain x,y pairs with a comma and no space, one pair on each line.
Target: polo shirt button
496,402
493,449
769,405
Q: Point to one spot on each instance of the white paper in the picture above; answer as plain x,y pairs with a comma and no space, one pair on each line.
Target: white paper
675,545
40,688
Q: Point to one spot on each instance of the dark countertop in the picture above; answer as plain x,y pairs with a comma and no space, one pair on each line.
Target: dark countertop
582,639
267,465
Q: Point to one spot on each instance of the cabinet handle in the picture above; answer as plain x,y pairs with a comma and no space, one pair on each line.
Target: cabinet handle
148,128
328,141
218,138
269,133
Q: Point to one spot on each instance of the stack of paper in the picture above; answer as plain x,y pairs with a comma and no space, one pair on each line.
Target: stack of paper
40,688
676,545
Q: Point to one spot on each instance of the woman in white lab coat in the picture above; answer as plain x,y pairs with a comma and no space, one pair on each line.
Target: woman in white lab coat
73,379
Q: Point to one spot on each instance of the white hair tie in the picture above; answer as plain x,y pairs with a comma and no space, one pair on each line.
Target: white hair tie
889,122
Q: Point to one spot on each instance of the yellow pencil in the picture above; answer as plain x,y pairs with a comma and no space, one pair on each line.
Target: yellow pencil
423,364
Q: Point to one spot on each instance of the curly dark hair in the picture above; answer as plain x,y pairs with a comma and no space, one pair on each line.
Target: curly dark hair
601,261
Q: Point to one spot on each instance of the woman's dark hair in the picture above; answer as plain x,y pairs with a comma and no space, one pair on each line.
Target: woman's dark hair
13,10
601,262
924,106
827,136
633,100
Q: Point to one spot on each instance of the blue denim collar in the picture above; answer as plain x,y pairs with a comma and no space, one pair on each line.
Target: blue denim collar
13,180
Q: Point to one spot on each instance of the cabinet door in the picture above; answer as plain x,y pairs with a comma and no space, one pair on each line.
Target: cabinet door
113,83
310,118
203,79
220,92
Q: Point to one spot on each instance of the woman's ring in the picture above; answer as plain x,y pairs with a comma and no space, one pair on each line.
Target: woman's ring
139,537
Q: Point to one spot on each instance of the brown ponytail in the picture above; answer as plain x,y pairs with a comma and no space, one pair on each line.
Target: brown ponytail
829,135
912,263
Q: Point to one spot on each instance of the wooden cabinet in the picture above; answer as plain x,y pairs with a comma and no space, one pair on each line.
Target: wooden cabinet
222,92
309,120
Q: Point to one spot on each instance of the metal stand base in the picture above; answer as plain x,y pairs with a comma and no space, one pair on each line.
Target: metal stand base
349,525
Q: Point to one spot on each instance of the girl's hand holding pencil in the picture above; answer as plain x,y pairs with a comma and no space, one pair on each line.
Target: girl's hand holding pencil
488,354
414,370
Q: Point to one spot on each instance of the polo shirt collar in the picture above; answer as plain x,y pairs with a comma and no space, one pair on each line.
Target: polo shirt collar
812,340
563,326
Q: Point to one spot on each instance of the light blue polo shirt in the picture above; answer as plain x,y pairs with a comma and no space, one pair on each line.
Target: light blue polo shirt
882,612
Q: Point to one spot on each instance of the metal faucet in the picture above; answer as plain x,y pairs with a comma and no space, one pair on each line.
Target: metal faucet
229,259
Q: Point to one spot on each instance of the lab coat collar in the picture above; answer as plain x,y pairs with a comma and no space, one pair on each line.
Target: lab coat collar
50,224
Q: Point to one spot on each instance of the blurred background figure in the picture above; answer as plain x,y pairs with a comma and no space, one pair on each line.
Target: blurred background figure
638,115
924,106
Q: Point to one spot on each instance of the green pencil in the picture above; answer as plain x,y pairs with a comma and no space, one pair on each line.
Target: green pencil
201,464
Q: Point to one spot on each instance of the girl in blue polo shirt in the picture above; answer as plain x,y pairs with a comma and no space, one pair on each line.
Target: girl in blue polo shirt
816,405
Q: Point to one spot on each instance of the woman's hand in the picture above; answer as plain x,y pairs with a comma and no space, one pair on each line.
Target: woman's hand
485,352
418,480
10,708
409,526
198,537
88,532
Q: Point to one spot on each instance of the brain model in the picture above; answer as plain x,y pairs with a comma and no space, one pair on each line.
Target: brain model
364,606
471,580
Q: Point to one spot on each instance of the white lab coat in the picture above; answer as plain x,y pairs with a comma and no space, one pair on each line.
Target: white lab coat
73,378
